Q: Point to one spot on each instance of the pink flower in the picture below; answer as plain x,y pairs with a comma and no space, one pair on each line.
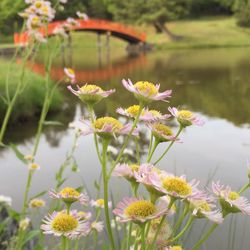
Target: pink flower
177,187
138,210
174,248
70,73
82,215
60,31
71,21
107,126
147,175
82,15
161,132
185,117
63,224
99,203
70,195
204,207
146,91
125,170
146,114
231,201
97,226
90,93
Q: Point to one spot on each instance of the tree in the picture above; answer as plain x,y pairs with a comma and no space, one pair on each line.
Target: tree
210,7
155,12
242,10
8,14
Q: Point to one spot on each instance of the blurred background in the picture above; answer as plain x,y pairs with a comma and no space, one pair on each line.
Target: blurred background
198,48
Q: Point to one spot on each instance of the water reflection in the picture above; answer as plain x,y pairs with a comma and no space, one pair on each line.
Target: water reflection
214,83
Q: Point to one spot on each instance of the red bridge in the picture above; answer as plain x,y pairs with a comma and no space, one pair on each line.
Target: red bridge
99,26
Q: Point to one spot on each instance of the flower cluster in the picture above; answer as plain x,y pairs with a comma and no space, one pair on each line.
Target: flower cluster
71,224
37,15
166,193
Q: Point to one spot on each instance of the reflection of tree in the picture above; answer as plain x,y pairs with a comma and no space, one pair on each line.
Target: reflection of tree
218,88
52,133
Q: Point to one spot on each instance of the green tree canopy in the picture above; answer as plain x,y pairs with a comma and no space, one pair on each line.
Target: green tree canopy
155,12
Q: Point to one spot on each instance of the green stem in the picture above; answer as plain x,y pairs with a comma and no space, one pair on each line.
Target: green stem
68,205
126,140
156,143
13,100
205,237
129,235
65,245
91,112
181,218
189,223
77,245
105,190
170,145
26,193
21,232
143,243
45,110
150,143
134,187
137,150
95,240
244,188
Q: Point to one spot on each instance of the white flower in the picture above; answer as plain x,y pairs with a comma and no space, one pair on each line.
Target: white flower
5,200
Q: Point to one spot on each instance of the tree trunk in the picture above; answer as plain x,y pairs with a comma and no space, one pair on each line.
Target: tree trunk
166,31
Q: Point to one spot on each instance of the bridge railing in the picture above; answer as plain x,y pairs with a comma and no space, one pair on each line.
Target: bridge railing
128,33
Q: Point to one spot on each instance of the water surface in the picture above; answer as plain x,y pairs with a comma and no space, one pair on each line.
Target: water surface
213,83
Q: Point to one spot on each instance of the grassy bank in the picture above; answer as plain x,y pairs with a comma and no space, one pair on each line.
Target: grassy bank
29,103
202,33
209,32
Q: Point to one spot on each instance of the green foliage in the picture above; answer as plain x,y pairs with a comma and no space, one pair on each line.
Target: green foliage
210,7
242,9
150,11
31,99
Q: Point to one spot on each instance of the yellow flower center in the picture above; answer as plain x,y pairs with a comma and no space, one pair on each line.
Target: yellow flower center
90,88
45,10
100,202
64,223
184,114
37,203
101,122
133,110
163,129
233,196
35,20
177,185
176,248
28,157
134,167
34,166
203,205
82,214
147,88
69,192
140,209
70,71
155,112
38,4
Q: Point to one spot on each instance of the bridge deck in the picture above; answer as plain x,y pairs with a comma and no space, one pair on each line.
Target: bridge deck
99,26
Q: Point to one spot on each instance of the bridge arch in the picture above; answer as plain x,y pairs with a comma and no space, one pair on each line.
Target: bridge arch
99,26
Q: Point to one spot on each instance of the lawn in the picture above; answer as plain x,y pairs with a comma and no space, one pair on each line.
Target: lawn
30,101
203,33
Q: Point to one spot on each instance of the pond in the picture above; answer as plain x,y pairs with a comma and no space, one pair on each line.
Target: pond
214,83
